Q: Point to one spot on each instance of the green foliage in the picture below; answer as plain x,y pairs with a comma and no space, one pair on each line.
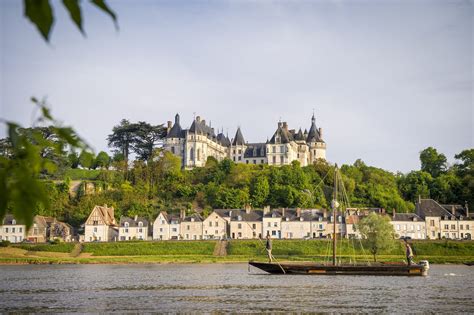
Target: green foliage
4,243
86,159
41,14
102,160
433,162
377,232
81,174
150,248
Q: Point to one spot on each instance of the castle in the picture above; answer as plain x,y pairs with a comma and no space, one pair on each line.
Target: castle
196,144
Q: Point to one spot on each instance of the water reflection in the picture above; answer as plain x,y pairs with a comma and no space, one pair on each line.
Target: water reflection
227,287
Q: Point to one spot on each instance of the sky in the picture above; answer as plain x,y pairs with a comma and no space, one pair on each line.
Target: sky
385,79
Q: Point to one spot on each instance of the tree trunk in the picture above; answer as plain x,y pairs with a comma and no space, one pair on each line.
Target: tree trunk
375,257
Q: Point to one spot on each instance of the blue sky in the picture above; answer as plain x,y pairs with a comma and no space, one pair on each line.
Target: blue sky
386,78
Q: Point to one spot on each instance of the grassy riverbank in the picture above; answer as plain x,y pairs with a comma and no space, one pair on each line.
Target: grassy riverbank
237,251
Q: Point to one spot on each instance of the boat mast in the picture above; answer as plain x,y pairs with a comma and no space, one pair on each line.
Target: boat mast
334,213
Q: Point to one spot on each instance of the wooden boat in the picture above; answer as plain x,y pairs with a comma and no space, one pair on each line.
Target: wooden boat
366,269
376,269
469,263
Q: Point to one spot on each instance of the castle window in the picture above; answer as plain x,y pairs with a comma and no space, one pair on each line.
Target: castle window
191,154
234,151
172,150
234,158
240,158
254,161
273,149
247,161
240,151
282,159
262,161
198,154
282,148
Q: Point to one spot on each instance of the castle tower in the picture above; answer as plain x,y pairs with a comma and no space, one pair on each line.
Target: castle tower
317,147
237,150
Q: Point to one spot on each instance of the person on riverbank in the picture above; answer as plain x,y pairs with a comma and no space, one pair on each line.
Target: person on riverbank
409,253
268,247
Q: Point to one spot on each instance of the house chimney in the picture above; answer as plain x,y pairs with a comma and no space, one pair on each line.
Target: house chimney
382,211
247,208
266,210
298,212
321,133
394,212
466,206
169,126
283,212
135,218
325,213
182,214
453,210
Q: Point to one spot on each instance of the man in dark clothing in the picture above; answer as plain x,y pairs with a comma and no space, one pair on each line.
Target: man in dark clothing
268,247
409,253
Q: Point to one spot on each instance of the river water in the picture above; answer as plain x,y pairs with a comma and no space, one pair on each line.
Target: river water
227,288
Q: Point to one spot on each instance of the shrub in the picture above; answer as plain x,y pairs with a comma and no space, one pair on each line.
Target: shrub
4,243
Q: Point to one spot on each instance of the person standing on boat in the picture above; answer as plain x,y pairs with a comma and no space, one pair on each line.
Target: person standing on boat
409,253
268,247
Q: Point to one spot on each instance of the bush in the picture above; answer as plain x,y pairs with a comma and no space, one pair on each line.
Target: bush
5,243
54,241
58,248
137,248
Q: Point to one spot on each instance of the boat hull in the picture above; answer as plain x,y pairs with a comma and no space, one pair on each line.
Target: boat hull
319,269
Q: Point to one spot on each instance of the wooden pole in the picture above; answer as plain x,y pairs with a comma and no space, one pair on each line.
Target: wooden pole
334,213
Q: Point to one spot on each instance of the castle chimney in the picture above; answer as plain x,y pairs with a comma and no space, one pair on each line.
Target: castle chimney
182,214
279,124
266,210
203,121
321,133
285,126
298,212
198,118
247,208
169,126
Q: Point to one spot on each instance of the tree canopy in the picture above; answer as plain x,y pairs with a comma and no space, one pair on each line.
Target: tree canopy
377,232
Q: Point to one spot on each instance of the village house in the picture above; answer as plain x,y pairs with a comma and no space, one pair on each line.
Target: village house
48,228
101,225
215,226
295,224
271,222
191,227
408,225
11,230
445,221
167,227
245,223
133,228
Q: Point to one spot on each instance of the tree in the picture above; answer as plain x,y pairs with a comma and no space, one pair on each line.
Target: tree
433,162
145,137
377,232
102,160
259,191
415,184
121,138
86,159
73,159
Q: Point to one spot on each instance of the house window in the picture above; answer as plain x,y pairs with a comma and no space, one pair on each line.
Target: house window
217,223
217,232
418,228
95,229
453,227
269,224
467,227
274,233
240,234
95,222
20,229
188,227
432,223
262,161
126,230
140,230
275,224
274,160
162,221
254,226
254,161
461,227
239,226
174,229
446,227
210,223
13,230
240,158
398,227
282,159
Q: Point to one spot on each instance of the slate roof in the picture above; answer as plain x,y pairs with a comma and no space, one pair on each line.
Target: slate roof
233,214
430,208
200,127
223,140
132,222
299,136
239,138
283,134
313,134
406,217
7,220
459,211
195,216
255,150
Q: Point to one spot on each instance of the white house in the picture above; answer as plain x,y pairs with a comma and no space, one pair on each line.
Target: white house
101,226
133,228
11,230
166,227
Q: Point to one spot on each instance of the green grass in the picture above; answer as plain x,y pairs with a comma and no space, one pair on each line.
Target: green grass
150,248
58,248
80,174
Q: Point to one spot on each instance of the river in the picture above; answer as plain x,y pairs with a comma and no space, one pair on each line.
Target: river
227,288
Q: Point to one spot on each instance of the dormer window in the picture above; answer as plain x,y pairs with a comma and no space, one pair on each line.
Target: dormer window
301,219
239,218
192,219
320,219
273,215
339,218
13,222
287,219
126,224
140,224
445,217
